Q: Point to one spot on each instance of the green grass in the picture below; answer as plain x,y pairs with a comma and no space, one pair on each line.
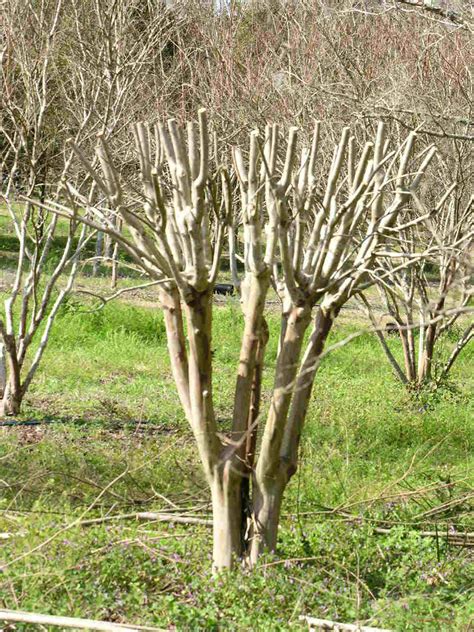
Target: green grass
378,455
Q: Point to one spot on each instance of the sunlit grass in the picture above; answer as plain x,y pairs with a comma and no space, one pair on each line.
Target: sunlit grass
368,446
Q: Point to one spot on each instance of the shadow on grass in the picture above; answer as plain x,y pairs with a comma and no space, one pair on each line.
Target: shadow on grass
148,426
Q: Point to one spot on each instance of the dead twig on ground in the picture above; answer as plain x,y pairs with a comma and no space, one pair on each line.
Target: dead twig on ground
325,624
150,516
71,622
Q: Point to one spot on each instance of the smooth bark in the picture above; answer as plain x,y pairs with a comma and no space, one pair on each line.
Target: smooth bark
227,517
267,480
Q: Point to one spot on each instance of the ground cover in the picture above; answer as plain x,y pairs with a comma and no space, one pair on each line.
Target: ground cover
380,469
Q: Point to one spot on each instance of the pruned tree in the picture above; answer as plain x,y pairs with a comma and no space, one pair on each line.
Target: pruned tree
426,295
311,232
35,297
37,288
66,70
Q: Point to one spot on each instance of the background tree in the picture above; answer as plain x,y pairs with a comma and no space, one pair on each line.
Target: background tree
67,70
430,293
28,103
113,52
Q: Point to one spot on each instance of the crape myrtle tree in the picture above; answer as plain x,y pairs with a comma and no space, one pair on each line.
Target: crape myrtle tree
45,268
35,296
67,69
428,296
311,233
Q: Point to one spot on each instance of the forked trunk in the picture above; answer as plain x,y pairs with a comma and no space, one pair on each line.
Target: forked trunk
268,480
268,496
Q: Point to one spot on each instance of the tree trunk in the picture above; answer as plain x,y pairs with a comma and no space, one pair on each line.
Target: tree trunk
427,358
407,357
267,499
173,316
108,246
11,401
304,386
218,456
193,377
203,423
3,370
254,293
227,518
248,386
268,481
114,275
99,246
13,391
268,496
462,342
250,444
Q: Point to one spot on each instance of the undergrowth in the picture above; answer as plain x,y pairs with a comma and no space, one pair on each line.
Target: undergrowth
381,470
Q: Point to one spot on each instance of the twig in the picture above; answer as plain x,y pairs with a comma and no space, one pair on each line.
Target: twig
445,506
325,624
442,12
457,539
71,622
107,299
67,527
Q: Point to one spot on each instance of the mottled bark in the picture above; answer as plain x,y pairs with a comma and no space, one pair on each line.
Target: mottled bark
227,516
13,393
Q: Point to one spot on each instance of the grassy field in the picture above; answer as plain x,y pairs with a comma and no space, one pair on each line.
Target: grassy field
379,468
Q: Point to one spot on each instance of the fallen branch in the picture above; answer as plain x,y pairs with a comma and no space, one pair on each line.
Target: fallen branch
450,504
456,538
74,523
71,622
148,515
325,624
